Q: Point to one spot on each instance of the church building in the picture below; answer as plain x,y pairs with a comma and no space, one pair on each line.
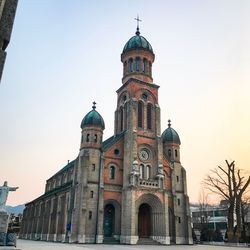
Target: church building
130,188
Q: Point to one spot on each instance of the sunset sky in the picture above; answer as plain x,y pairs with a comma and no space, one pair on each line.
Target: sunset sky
64,54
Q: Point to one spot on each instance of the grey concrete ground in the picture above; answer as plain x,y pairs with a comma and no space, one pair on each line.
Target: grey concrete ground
41,245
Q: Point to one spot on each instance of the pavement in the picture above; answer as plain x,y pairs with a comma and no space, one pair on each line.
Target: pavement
44,245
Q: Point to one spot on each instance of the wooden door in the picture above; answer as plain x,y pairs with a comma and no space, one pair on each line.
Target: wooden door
144,221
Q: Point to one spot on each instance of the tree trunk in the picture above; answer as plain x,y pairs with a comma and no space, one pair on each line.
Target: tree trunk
243,222
238,218
230,221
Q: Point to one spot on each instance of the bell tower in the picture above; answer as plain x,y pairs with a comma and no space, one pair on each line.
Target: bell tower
138,116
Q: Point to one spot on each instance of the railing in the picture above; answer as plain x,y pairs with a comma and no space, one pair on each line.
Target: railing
148,183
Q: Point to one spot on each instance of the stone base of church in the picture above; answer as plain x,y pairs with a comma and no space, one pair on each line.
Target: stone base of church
4,220
164,240
82,238
90,239
132,240
190,241
60,238
183,241
51,237
99,239
44,237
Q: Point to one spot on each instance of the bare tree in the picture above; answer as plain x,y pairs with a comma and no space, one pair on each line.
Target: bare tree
203,208
229,183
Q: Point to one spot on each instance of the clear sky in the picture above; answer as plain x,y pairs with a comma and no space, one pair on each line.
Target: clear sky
65,54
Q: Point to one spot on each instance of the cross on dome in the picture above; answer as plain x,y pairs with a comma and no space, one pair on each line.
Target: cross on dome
94,105
137,29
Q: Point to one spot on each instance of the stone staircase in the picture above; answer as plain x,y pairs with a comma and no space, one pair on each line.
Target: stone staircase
110,240
147,241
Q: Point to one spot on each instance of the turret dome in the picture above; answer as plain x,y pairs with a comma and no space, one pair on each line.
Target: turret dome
170,135
137,42
93,118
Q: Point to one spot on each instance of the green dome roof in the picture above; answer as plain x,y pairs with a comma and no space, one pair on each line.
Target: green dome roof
137,42
170,135
93,118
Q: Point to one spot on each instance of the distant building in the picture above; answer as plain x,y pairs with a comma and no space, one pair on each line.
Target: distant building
7,15
211,217
131,187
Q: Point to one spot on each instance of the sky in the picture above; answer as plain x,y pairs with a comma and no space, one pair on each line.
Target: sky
63,55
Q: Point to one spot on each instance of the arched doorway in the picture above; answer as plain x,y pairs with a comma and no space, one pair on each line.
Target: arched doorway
144,221
109,220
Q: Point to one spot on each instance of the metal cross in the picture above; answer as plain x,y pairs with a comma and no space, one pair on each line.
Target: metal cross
138,20
94,103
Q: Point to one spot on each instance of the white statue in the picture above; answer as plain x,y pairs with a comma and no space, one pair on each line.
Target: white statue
4,191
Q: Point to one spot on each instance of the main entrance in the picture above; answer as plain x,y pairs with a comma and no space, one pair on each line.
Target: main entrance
109,220
144,221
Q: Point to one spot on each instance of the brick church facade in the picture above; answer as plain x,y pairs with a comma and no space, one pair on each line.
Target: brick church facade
128,188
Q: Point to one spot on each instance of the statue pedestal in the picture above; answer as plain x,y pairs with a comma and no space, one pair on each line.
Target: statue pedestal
4,219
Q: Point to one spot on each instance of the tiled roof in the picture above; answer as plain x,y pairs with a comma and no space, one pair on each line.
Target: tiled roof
111,140
64,169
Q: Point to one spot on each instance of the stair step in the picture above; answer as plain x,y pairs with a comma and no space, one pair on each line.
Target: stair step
147,241
110,240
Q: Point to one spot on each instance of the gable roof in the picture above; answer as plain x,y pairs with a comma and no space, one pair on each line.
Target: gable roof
64,169
111,140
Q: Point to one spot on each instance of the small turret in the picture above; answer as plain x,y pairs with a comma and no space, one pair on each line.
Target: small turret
92,126
171,144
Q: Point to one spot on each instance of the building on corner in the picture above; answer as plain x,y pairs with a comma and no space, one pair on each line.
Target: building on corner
130,188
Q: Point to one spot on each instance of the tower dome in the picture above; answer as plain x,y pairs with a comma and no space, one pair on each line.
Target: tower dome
137,42
93,118
137,58
170,135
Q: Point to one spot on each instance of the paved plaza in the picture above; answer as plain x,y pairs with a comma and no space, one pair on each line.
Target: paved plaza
42,245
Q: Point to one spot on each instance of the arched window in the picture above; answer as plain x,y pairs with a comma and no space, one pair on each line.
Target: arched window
148,172
144,96
144,65
91,194
125,116
149,116
137,64
65,178
140,111
125,68
90,215
124,98
176,153
95,138
169,153
87,138
112,172
150,69
121,119
130,65
142,171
